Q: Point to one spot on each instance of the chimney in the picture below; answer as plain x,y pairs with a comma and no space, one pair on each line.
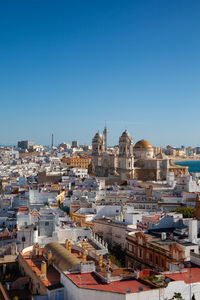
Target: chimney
69,247
109,263
84,255
66,244
163,236
49,258
36,250
43,274
100,261
108,276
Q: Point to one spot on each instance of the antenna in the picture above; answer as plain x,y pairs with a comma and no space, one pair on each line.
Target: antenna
52,141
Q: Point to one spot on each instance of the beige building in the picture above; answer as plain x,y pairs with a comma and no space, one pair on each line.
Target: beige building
111,231
78,161
143,161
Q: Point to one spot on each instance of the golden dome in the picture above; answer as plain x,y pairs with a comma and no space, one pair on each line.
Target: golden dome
143,144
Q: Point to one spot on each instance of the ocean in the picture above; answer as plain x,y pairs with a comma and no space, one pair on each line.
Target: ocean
194,165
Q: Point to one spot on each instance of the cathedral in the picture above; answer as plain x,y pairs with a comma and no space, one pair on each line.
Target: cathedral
141,161
113,161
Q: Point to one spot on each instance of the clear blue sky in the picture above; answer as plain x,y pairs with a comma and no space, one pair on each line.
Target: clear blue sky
67,66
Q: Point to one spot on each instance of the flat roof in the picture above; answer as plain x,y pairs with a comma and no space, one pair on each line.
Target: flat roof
92,281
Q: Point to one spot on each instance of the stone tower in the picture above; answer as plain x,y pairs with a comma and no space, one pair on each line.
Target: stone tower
105,134
126,158
97,150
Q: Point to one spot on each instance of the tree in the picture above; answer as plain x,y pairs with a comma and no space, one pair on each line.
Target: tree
117,255
177,296
188,212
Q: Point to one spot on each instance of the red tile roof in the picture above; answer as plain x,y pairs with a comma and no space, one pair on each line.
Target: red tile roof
23,208
190,275
53,276
91,281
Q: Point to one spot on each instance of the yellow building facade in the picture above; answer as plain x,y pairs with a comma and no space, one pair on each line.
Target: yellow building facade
78,161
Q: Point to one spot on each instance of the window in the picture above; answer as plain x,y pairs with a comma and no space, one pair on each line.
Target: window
156,260
130,247
46,223
140,253
163,263
23,239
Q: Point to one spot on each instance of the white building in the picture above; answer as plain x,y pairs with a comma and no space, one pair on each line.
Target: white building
78,172
80,280
185,183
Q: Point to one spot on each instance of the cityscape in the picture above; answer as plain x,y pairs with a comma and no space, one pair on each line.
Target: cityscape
99,150
81,220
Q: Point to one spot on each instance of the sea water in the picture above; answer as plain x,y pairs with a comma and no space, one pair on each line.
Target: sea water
194,165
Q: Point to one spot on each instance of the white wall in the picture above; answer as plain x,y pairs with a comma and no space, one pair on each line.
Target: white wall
183,288
132,218
23,219
72,292
108,210
71,233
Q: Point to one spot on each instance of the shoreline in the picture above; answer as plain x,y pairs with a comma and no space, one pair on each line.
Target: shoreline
187,158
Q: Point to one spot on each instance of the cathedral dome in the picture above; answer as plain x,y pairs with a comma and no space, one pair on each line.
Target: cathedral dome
98,136
126,134
143,144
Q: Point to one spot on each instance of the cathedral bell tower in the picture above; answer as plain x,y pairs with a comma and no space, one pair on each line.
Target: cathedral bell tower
126,158
97,149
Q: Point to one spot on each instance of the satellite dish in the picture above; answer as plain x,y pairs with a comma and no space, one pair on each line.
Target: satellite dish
128,290
140,288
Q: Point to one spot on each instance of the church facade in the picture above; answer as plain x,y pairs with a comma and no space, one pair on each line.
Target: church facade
113,162
141,161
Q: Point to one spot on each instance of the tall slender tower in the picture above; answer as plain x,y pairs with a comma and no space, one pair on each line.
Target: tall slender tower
52,141
126,158
97,150
105,134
